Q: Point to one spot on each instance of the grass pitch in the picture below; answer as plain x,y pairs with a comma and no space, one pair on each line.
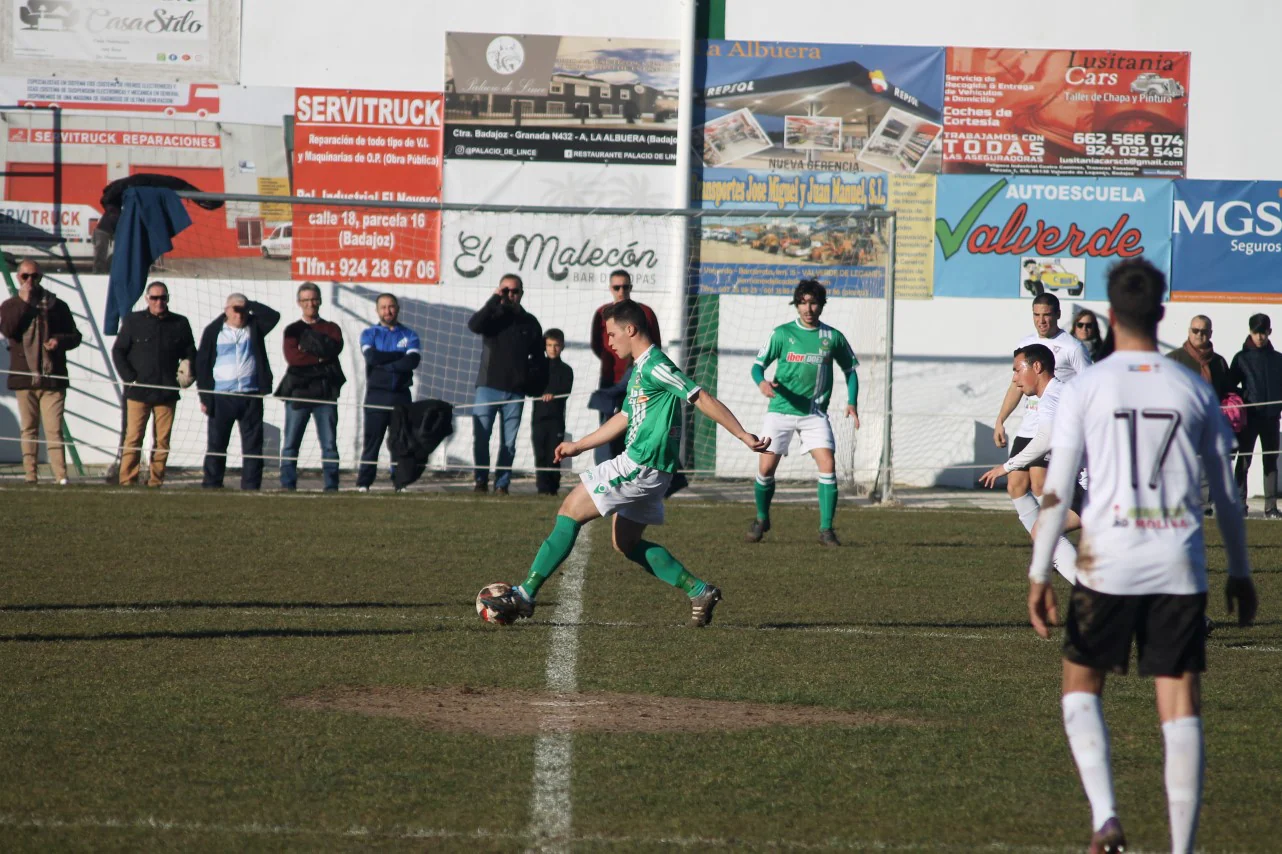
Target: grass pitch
150,645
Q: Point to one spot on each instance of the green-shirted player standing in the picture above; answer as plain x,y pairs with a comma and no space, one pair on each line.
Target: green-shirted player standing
631,485
805,350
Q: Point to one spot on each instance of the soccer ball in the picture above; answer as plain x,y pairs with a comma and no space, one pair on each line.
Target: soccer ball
489,615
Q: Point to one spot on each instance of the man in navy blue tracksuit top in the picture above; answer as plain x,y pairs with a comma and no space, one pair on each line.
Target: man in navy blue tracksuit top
391,354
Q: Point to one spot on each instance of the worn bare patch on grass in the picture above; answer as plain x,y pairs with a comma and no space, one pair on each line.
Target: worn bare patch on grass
502,711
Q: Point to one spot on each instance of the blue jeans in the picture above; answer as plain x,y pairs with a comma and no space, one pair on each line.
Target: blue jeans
483,425
296,417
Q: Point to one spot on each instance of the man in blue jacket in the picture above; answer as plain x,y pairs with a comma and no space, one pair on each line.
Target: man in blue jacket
391,354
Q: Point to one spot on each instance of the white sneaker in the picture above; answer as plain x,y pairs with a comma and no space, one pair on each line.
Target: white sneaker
362,489
62,482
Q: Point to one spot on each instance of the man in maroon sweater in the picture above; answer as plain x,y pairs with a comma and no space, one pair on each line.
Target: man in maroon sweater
315,378
612,367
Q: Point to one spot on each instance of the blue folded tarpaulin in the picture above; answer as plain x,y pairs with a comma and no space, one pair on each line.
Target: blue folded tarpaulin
149,219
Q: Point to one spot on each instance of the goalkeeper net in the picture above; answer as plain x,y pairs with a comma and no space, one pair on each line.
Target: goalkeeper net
718,282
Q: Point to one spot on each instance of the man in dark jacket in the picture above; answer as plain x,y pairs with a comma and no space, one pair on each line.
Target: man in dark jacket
40,330
512,366
232,358
146,354
1258,368
547,425
1199,356
312,346
391,352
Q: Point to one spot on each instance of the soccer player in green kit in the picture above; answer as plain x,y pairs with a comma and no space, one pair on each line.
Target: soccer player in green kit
631,485
805,350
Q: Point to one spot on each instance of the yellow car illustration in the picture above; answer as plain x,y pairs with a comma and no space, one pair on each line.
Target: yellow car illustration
1038,278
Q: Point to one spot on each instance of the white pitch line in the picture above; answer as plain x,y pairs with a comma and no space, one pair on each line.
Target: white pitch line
551,809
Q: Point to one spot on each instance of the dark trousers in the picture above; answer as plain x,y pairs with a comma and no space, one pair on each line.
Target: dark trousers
547,434
375,430
223,413
1267,430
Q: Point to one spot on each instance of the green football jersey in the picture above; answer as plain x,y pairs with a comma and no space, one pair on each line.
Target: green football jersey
804,374
653,406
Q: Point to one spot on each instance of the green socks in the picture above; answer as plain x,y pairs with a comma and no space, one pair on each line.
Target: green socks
555,549
827,500
660,563
763,490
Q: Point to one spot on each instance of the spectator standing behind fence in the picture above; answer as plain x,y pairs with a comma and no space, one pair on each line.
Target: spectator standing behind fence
1258,369
312,347
232,357
146,354
1086,329
40,329
1199,356
547,426
512,366
391,354
612,367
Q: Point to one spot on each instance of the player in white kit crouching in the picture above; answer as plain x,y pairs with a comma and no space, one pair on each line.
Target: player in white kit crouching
1148,426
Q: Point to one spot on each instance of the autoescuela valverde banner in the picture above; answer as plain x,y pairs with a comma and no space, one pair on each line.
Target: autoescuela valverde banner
1021,236
1228,241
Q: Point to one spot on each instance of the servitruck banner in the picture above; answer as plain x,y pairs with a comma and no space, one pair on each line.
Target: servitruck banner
566,99
1101,113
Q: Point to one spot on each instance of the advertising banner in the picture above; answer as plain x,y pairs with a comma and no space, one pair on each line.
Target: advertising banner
793,108
232,139
1228,241
560,251
769,255
568,99
912,198
383,146
188,39
1100,113
1018,237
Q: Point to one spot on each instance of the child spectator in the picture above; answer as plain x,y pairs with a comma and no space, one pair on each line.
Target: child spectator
548,427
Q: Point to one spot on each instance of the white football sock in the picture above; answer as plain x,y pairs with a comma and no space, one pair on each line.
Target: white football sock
1088,739
1185,760
1027,508
1065,559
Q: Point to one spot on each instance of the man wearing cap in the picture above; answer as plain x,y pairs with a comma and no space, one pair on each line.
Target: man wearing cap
1258,369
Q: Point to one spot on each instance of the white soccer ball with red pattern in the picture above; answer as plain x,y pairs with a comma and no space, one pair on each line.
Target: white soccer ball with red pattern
487,613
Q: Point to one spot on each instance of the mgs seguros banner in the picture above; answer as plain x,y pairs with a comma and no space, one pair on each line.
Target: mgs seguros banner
1100,113
1019,237
1228,241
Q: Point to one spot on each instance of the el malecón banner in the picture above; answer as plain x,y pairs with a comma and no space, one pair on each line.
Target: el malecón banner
375,145
1101,113
1228,241
1019,237
565,99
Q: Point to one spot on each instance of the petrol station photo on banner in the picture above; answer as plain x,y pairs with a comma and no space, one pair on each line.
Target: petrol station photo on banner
786,107
1098,113
567,99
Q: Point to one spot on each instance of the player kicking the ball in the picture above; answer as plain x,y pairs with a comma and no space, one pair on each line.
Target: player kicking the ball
1149,427
631,485
799,395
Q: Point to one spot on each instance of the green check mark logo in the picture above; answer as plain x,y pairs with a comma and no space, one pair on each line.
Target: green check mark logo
951,239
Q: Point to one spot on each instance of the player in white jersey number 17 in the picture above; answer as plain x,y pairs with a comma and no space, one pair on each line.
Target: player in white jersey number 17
1149,427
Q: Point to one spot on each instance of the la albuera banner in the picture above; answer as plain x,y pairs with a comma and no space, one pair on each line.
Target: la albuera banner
1101,113
1228,241
1018,237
